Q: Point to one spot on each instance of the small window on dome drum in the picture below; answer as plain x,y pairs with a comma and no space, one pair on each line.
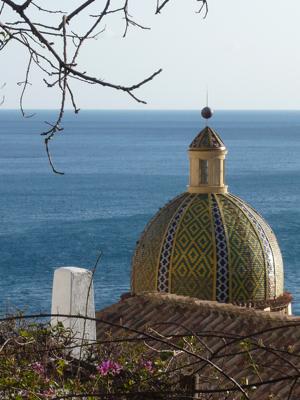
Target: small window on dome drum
203,172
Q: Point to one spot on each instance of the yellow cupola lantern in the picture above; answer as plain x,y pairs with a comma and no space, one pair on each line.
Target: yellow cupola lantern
207,161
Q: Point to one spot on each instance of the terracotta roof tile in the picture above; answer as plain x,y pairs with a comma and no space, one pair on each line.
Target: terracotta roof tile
160,311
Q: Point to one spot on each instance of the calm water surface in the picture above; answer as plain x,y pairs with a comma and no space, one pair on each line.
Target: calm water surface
120,167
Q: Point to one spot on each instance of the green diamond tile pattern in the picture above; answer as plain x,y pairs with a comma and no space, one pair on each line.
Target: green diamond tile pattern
269,256
166,250
147,253
278,262
192,263
247,267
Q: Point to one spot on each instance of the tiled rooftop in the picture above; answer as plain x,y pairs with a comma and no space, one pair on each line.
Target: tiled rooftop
276,336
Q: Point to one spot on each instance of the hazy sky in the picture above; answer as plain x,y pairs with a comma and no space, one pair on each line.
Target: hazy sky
246,52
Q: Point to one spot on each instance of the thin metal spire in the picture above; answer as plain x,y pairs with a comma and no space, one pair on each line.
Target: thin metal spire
206,96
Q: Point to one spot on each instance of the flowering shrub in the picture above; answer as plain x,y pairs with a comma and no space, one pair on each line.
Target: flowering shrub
148,365
36,363
38,368
109,367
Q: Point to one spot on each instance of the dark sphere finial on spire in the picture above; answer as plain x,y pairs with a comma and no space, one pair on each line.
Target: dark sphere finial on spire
206,112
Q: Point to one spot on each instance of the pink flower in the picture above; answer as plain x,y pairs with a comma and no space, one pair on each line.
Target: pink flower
148,365
38,368
109,367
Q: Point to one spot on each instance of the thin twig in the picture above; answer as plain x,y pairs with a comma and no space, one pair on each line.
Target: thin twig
25,84
93,271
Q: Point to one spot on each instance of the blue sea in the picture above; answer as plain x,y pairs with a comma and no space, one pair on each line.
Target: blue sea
120,168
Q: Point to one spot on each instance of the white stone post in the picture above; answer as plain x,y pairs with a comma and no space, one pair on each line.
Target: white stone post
73,294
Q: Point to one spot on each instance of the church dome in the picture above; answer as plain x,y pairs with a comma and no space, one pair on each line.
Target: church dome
207,243
209,246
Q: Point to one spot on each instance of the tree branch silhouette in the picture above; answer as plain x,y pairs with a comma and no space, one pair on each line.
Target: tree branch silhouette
54,48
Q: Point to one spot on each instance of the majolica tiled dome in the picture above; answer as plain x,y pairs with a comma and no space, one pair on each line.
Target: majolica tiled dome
210,246
207,243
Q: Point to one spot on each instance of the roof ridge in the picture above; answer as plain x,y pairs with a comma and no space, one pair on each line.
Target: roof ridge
216,306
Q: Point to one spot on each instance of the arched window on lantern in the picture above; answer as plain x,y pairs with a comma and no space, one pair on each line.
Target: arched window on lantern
203,172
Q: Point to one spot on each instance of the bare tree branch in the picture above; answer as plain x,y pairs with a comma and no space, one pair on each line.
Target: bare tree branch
77,11
47,45
204,7
48,11
160,6
25,84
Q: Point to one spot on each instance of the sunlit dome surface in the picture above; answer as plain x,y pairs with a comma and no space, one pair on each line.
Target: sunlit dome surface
209,246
